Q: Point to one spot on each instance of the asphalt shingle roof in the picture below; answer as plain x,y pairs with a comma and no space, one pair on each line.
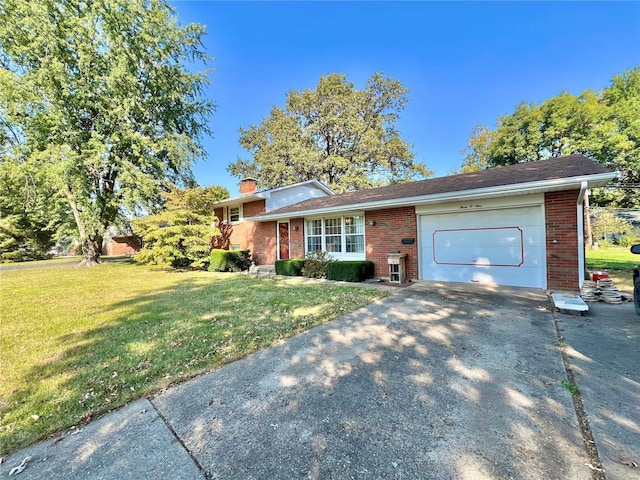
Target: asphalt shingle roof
552,169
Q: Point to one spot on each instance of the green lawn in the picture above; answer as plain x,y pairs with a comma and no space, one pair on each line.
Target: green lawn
617,262
77,342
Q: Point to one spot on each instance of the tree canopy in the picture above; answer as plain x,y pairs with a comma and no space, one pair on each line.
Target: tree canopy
603,125
33,216
342,136
99,95
180,235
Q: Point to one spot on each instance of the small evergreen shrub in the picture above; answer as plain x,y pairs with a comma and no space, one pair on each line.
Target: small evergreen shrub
291,268
316,264
350,270
229,260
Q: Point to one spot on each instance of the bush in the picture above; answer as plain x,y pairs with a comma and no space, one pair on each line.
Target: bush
316,264
350,271
229,260
291,268
628,240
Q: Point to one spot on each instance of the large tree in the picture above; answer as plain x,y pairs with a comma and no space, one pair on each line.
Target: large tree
100,95
345,137
604,125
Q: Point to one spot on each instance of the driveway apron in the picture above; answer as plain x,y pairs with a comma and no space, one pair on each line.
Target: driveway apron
437,381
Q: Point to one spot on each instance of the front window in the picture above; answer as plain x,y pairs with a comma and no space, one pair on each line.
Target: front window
234,214
333,234
314,235
342,237
354,234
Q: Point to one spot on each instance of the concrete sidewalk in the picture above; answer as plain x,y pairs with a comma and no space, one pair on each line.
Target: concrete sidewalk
436,381
604,353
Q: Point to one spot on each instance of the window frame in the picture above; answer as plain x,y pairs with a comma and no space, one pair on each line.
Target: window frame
327,223
229,214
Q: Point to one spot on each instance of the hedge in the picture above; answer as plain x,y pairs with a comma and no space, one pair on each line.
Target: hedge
350,270
229,260
290,268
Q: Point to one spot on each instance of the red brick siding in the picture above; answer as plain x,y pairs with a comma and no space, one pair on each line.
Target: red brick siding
391,226
561,221
265,243
252,209
296,238
122,246
260,238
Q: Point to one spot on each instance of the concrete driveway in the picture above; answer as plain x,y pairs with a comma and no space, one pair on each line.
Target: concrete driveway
437,381
603,350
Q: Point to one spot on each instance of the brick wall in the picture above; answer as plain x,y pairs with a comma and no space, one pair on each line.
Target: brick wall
296,238
251,209
122,246
260,238
265,243
561,220
391,226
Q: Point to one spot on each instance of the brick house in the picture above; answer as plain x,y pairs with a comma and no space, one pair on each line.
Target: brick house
520,225
261,238
120,241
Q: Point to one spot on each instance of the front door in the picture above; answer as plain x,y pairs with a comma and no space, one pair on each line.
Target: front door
283,234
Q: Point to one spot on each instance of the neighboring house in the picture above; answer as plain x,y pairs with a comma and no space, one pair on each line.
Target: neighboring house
261,238
120,241
520,225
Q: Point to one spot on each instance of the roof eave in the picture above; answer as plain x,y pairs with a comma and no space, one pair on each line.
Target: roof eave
267,193
241,199
542,186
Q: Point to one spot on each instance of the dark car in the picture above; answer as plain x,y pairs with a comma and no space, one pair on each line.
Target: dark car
636,280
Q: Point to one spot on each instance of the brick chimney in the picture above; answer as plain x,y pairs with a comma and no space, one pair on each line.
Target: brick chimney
248,185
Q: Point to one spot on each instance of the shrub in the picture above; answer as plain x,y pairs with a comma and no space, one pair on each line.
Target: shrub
291,268
316,264
351,270
628,240
229,260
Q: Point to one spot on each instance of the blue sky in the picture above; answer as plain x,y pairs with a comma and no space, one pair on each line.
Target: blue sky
465,63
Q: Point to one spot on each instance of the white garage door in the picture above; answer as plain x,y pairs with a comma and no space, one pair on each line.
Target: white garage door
503,247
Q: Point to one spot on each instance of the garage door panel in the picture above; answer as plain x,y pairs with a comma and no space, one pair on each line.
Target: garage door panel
505,247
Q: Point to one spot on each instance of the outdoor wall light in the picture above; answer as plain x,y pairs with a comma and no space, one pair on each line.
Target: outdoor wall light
296,228
372,223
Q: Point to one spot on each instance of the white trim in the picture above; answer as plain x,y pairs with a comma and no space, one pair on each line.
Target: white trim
545,258
343,255
540,209
278,237
572,183
265,194
482,204
322,187
580,215
240,214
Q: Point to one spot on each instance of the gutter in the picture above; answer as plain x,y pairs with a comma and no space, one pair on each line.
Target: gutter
488,192
580,217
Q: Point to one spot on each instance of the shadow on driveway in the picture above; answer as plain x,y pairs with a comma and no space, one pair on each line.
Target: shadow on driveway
437,381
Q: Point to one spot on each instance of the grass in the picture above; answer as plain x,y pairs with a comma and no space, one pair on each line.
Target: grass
59,260
77,342
617,262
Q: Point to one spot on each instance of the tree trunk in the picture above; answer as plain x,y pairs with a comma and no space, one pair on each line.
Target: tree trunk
588,237
91,244
91,250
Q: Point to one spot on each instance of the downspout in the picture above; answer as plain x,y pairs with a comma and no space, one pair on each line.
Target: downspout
580,215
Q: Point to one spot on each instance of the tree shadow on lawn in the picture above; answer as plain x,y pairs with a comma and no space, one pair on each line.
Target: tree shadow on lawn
163,337
421,385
